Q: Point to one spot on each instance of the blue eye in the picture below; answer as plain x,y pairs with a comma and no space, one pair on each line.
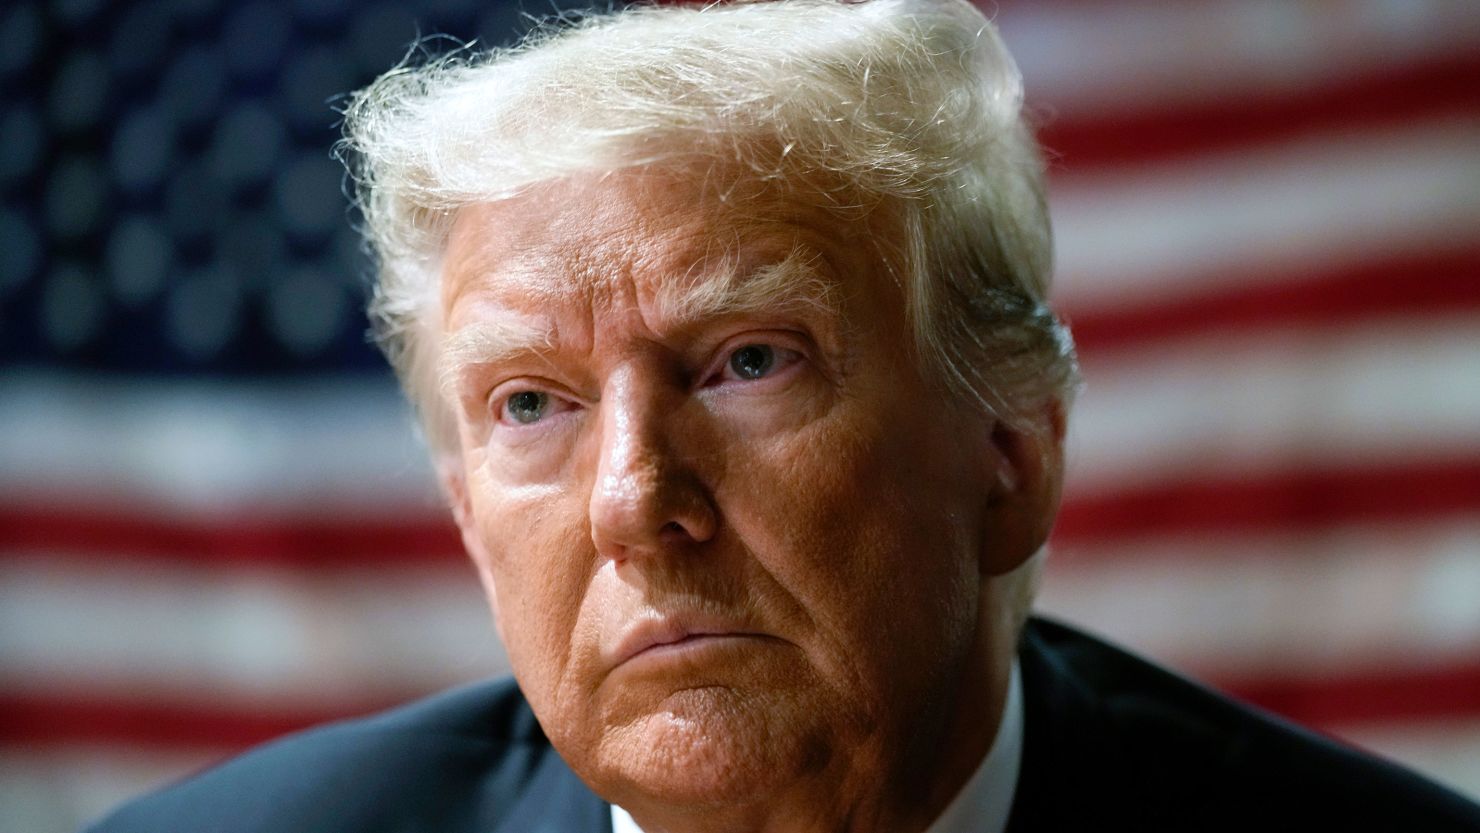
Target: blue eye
753,361
527,406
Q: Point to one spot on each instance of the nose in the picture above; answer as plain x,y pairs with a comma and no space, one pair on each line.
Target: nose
647,499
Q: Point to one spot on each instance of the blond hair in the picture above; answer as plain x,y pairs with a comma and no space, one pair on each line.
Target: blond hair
914,104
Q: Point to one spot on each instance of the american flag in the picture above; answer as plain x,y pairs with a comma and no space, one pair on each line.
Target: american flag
216,525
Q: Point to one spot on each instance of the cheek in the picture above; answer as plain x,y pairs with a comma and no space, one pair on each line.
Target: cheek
882,566
538,558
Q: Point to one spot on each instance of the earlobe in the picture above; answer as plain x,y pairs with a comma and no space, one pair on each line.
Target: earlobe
1024,496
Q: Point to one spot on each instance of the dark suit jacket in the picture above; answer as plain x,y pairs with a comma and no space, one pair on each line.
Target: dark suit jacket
1111,743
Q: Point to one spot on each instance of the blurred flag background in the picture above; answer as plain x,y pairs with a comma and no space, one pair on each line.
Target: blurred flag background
216,526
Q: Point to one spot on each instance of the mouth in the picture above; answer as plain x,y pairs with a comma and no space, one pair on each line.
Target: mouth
665,638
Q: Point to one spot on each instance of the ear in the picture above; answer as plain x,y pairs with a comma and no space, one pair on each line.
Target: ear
1024,499
454,480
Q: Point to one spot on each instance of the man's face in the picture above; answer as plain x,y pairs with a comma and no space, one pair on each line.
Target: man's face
732,537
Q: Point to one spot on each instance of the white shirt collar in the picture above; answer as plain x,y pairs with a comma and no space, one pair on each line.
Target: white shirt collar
985,800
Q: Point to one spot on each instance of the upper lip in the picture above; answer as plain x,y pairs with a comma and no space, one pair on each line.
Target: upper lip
654,630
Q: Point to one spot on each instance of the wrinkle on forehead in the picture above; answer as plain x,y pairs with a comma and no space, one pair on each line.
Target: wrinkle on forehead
791,286
526,275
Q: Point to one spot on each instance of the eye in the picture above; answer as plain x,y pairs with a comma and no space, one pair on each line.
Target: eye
526,407
753,361
522,402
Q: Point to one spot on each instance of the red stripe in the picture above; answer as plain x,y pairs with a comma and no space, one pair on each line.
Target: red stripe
60,718
1441,282
1387,96
329,541
1289,500
1393,693
1293,500
1388,694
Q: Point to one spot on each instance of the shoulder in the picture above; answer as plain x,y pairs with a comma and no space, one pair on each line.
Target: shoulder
449,762
1171,754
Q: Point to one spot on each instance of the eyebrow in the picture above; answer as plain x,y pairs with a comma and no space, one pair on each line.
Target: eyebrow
792,285
491,340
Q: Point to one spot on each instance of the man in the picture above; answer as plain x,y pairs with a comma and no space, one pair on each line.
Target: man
727,328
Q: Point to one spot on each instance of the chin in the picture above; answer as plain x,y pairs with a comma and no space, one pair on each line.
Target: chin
707,747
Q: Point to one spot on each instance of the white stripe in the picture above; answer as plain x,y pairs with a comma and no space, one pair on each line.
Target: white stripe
1353,598
201,447
58,789
1185,408
1255,401
1341,600
1113,57
1447,751
1336,599
1146,234
240,638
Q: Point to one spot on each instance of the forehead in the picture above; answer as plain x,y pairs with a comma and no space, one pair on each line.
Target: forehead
643,238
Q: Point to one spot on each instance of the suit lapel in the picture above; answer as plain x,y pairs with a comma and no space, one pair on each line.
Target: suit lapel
1062,783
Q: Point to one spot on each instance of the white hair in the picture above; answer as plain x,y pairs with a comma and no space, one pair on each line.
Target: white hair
913,107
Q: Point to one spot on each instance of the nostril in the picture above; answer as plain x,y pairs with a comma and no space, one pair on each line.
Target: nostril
684,531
